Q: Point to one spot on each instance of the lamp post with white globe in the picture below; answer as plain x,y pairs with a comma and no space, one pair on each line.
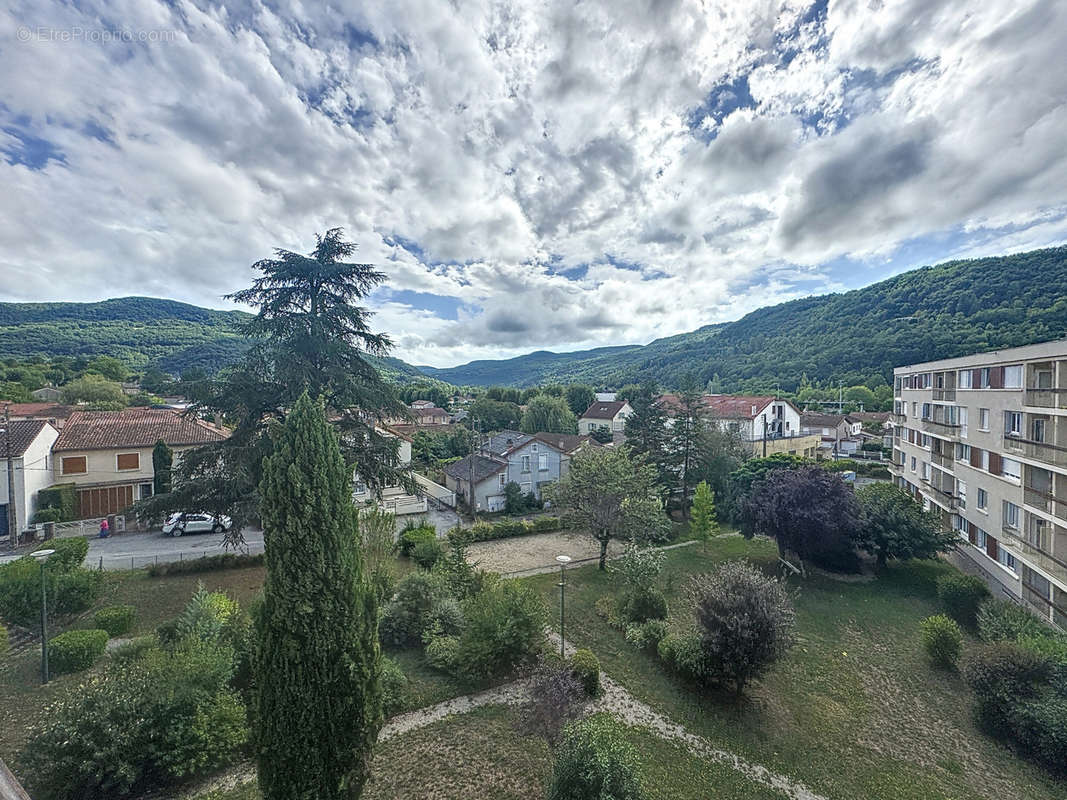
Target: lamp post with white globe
563,562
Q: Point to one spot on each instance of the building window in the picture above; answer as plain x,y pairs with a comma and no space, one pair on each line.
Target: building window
983,419
914,408
1011,469
359,487
1037,429
1011,515
962,414
525,463
542,462
926,471
1013,376
913,463
128,461
503,479
1007,559
963,452
146,491
1043,379
1013,423
981,539
983,499
984,378
961,493
73,465
963,379
985,460
926,411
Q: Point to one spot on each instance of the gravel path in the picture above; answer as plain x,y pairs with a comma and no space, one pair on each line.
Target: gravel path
520,553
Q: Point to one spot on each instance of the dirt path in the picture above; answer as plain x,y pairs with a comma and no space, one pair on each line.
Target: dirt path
521,553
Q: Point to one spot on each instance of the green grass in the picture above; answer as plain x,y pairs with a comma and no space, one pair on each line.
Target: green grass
485,754
854,711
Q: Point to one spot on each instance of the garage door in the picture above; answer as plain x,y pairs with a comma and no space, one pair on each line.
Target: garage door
496,502
103,501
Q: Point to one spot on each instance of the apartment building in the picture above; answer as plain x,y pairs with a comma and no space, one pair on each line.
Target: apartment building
983,439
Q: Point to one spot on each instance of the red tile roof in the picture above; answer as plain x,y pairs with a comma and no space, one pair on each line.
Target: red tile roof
725,406
39,410
599,410
134,427
566,442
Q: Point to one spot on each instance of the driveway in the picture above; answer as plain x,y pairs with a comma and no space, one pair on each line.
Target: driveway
134,550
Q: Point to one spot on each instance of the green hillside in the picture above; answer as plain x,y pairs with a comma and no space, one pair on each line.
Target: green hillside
139,331
857,337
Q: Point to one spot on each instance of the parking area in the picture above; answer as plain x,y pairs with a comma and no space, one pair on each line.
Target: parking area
135,550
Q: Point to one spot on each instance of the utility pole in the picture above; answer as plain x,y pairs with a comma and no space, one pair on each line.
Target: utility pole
764,435
12,515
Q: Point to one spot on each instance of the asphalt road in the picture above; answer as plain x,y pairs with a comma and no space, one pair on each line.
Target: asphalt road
133,550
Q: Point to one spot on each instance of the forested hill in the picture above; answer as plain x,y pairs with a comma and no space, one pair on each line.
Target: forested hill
943,311
139,331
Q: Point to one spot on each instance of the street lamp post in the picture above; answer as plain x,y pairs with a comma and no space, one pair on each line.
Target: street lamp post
563,562
42,557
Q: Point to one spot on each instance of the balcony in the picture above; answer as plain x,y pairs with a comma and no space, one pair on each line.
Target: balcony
1046,501
898,419
938,428
1021,548
1046,398
945,498
1044,452
946,395
943,461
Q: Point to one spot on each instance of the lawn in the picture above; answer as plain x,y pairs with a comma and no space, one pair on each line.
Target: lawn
854,711
485,754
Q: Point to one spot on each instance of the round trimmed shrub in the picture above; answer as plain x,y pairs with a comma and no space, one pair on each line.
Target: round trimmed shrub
595,761
1002,620
134,649
411,536
442,653
394,687
427,552
74,651
504,625
586,668
683,655
116,620
942,640
647,635
645,604
961,595
405,617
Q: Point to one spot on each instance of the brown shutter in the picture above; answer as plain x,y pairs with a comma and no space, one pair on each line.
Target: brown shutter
995,464
991,547
976,457
128,461
996,378
976,379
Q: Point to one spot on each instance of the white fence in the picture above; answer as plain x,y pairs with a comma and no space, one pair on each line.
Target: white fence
436,491
81,527
404,504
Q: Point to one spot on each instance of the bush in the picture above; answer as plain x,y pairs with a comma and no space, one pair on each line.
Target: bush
406,617
445,618
442,652
595,761
586,668
556,697
394,687
205,617
62,497
74,592
547,524
74,651
1001,675
746,622
411,535
206,564
1040,730
134,649
644,605
961,595
4,643
647,635
47,515
486,531
69,554
683,655
504,626
150,722
942,640
116,620
427,553
1002,620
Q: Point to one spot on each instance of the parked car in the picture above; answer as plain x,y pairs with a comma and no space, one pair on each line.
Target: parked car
200,522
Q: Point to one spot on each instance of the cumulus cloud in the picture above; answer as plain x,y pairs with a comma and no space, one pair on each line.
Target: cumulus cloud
558,175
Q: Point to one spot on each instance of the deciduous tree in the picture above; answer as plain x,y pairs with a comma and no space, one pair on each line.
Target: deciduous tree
895,526
547,414
702,521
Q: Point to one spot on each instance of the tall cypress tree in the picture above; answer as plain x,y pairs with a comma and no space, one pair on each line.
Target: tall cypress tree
317,667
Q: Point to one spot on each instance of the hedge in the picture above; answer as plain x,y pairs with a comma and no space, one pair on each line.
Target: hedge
116,620
488,531
76,650
206,564
62,497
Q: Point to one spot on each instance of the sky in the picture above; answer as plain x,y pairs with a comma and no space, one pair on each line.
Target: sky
529,175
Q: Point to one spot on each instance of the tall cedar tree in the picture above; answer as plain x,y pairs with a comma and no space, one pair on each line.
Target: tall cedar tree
690,424
308,335
318,698
702,522
895,526
162,461
611,496
808,511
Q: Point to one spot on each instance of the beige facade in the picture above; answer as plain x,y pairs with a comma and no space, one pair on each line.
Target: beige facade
983,438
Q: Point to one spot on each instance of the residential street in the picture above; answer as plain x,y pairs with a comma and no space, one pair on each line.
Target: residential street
131,550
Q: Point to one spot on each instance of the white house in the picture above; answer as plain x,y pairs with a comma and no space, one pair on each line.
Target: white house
605,416
764,423
31,467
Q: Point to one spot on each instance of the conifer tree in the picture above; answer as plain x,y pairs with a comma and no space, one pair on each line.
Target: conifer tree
702,522
317,675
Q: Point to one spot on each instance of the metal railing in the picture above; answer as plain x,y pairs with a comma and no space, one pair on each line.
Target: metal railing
80,527
1015,542
1045,452
945,395
940,428
942,460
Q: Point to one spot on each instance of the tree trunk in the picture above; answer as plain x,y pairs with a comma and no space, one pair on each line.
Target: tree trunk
604,551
